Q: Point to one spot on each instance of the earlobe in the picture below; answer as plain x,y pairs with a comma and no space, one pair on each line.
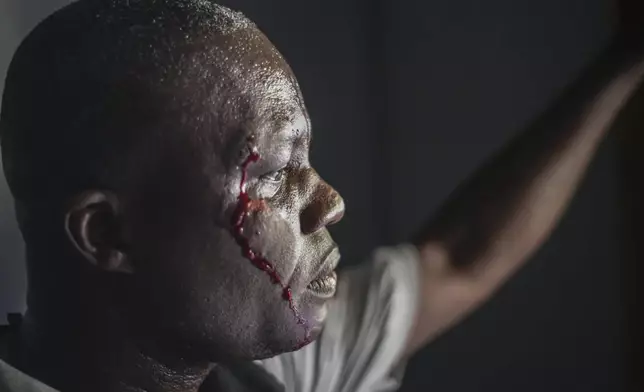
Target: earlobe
117,262
93,225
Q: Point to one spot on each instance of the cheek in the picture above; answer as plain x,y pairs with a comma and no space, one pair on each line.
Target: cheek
273,236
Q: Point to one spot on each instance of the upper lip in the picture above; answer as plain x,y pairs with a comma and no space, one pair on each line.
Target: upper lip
329,263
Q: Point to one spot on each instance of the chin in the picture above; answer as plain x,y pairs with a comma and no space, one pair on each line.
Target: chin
286,335
291,346
273,328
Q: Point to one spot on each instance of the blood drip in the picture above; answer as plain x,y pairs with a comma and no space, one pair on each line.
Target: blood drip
237,221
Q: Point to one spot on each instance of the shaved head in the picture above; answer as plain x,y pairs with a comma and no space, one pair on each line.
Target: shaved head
88,81
161,149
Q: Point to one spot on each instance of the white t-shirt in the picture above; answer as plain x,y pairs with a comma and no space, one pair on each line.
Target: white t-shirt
360,348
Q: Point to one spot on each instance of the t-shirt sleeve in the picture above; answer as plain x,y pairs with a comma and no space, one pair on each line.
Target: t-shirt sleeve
367,327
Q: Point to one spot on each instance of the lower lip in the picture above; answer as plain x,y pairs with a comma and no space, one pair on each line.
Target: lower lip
325,286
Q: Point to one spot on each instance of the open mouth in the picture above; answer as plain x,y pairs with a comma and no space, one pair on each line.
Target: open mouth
324,286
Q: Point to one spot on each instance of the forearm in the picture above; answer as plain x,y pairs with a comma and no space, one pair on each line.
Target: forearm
497,219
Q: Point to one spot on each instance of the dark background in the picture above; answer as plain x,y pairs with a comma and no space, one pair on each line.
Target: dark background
407,99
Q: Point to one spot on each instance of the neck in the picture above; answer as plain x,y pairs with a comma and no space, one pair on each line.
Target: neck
90,350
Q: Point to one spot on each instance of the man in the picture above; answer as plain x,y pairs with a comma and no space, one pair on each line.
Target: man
157,151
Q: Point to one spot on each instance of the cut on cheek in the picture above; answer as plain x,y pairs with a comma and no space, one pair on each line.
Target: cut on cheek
257,206
245,207
272,236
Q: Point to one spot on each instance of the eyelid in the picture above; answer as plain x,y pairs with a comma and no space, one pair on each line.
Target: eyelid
269,187
281,171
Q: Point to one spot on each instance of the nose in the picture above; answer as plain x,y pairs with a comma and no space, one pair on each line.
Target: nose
326,208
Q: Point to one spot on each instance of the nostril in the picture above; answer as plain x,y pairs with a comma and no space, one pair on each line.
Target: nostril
311,219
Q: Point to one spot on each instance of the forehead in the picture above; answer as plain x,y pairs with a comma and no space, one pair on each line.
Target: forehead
261,96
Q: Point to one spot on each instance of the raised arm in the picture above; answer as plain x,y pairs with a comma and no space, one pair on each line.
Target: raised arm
494,222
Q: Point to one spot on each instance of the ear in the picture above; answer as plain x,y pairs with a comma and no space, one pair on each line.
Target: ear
94,226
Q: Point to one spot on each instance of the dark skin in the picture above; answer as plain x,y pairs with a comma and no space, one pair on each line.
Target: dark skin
162,291
214,303
491,225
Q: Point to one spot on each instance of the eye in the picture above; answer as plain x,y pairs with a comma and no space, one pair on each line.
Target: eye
275,176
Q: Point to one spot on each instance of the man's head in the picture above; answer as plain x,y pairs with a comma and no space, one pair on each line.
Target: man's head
125,127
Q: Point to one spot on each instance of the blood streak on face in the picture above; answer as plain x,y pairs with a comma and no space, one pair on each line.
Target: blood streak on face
239,216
